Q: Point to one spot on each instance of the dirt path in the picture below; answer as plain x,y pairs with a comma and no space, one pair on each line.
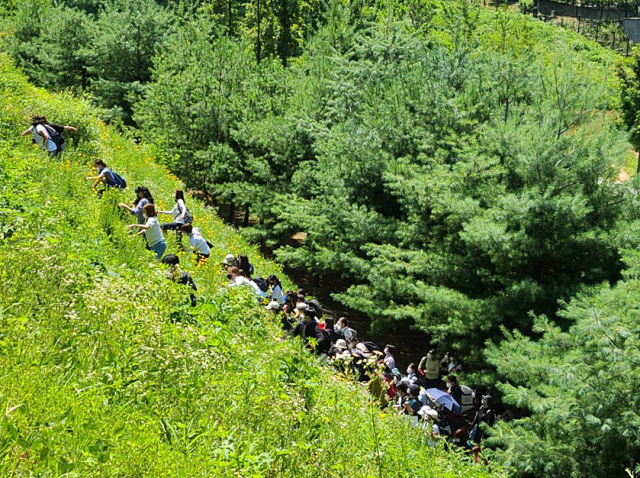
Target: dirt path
623,176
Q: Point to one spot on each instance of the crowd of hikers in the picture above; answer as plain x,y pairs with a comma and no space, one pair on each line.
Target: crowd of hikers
428,396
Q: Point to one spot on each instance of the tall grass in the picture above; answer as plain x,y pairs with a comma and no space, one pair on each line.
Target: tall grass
105,370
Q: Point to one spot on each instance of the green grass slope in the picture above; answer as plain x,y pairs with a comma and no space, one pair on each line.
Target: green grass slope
106,371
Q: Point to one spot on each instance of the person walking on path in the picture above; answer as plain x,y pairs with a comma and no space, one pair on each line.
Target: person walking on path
151,230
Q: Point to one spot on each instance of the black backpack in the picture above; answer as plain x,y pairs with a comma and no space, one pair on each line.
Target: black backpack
56,137
371,346
262,283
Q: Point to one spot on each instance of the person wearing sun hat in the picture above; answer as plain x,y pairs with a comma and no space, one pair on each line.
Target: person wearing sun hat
431,419
275,308
229,261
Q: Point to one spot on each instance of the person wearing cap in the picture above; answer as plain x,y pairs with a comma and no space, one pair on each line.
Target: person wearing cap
485,414
430,417
338,348
308,329
274,307
229,261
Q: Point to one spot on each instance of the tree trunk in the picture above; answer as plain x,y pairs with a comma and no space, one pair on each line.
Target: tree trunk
232,211
245,223
258,44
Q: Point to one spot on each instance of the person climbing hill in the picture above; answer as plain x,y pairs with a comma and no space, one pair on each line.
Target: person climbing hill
198,244
151,229
180,212
105,177
48,136
143,197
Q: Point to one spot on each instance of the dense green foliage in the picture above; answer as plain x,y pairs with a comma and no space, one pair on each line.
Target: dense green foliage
628,70
580,385
107,372
457,169
456,165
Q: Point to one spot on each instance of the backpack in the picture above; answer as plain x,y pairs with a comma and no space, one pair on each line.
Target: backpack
327,342
262,283
118,181
55,137
468,397
371,346
188,217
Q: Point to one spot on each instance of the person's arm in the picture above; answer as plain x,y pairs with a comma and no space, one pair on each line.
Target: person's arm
127,207
421,366
143,227
27,131
98,178
166,212
70,128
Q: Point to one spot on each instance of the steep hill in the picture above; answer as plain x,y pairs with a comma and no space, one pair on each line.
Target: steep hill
105,369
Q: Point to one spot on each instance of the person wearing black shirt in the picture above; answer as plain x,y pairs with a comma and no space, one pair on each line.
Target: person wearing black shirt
180,277
308,328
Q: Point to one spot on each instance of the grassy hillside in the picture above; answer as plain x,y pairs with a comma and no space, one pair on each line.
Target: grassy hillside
105,369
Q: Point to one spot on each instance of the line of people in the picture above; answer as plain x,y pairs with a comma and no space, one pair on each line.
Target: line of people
428,396
441,407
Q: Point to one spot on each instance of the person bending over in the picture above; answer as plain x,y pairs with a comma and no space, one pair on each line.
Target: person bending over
151,230
197,243
143,197
48,136
179,276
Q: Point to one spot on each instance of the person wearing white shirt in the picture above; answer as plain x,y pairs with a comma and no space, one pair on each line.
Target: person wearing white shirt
41,131
277,293
197,243
151,230
237,279
180,212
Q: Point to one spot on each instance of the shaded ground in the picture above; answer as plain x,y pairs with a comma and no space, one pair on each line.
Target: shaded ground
410,345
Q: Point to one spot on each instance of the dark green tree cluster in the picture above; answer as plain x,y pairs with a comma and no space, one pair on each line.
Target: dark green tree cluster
459,172
107,47
102,46
580,385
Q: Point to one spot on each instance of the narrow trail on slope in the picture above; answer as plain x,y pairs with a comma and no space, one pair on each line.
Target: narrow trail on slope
411,345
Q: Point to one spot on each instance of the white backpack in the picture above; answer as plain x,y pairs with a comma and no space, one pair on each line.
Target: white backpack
468,398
